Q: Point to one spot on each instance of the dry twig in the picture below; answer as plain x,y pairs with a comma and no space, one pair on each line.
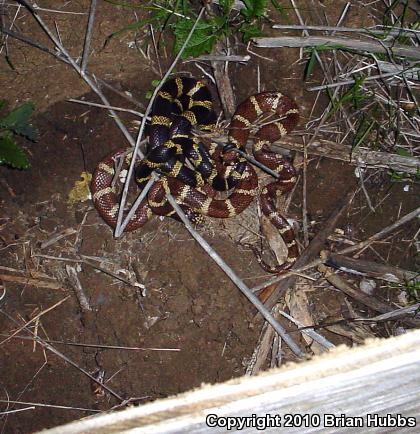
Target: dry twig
78,289
335,42
88,36
39,283
371,269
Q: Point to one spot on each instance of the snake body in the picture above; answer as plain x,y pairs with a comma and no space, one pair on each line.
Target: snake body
180,105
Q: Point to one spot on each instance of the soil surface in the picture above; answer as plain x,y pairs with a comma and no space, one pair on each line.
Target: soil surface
176,320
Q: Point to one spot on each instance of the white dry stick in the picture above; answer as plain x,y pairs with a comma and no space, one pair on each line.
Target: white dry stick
222,58
337,29
78,289
309,331
137,202
88,37
335,42
393,74
107,107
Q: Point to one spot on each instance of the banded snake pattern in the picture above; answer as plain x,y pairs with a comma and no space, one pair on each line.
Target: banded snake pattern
192,172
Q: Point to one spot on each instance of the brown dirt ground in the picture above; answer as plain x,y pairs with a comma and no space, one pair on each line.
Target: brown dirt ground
189,304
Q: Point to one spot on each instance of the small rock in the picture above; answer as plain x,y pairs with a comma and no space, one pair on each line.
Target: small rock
367,286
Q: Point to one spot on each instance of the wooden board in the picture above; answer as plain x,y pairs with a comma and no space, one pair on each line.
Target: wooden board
377,382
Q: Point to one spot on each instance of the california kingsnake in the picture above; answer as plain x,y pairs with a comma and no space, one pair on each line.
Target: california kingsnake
181,104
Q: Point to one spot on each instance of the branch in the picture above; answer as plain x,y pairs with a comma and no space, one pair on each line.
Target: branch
388,273
334,43
363,157
88,36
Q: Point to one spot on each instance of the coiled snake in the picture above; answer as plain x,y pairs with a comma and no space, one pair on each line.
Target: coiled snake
181,104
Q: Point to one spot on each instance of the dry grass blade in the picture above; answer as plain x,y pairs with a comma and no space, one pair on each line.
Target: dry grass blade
398,72
223,58
107,107
412,311
105,347
383,232
57,237
40,404
35,318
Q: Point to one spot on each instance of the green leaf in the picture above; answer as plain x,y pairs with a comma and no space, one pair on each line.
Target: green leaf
201,41
254,9
396,176
249,31
18,121
311,64
355,94
226,6
403,152
362,133
11,154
